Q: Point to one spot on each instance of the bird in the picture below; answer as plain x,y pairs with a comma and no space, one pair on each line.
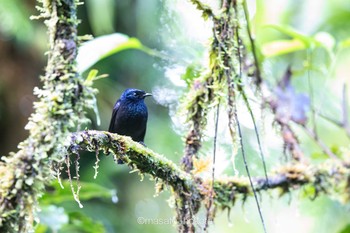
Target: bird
130,114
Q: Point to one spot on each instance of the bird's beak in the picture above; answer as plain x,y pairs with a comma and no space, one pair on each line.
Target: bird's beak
147,94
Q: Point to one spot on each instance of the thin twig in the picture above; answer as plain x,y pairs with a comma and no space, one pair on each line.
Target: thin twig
248,173
239,43
252,42
340,124
321,144
313,113
333,121
256,132
211,198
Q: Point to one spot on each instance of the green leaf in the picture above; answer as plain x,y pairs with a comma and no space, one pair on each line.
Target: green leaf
309,191
53,216
319,155
325,40
307,40
92,76
80,223
345,43
280,47
131,43
298,42
336,150
101,47
192,72
87,192
41,228
57,220
346,229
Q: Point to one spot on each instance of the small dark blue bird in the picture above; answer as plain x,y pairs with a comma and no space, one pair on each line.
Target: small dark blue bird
130,115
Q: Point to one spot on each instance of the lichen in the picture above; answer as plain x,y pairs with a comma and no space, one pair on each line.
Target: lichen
331,177
60,110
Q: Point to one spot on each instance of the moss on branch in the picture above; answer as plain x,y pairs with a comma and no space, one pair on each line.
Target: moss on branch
59,111
139,158
206,9
132,153
330,177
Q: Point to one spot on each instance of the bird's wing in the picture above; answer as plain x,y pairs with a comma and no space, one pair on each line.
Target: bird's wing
142,136
114,115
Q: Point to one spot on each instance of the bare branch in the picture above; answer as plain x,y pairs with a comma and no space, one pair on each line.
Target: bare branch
319,142
252,42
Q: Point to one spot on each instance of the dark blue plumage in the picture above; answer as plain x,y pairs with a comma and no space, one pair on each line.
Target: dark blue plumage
130,115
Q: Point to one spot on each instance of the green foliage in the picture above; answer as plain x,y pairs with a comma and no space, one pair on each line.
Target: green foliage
301,42
298,42
101,47
101,23
346,229
59,110
280,47
57,195
192,72
14,20
345,43
80,223
57,220
92,76
52,217
287,30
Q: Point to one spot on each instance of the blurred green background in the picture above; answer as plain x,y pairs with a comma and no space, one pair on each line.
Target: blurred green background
177,31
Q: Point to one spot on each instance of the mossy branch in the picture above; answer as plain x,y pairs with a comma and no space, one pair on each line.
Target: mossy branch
206,10
59,111
330,177
137,156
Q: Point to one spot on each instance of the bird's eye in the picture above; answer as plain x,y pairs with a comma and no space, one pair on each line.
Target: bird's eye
135,94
